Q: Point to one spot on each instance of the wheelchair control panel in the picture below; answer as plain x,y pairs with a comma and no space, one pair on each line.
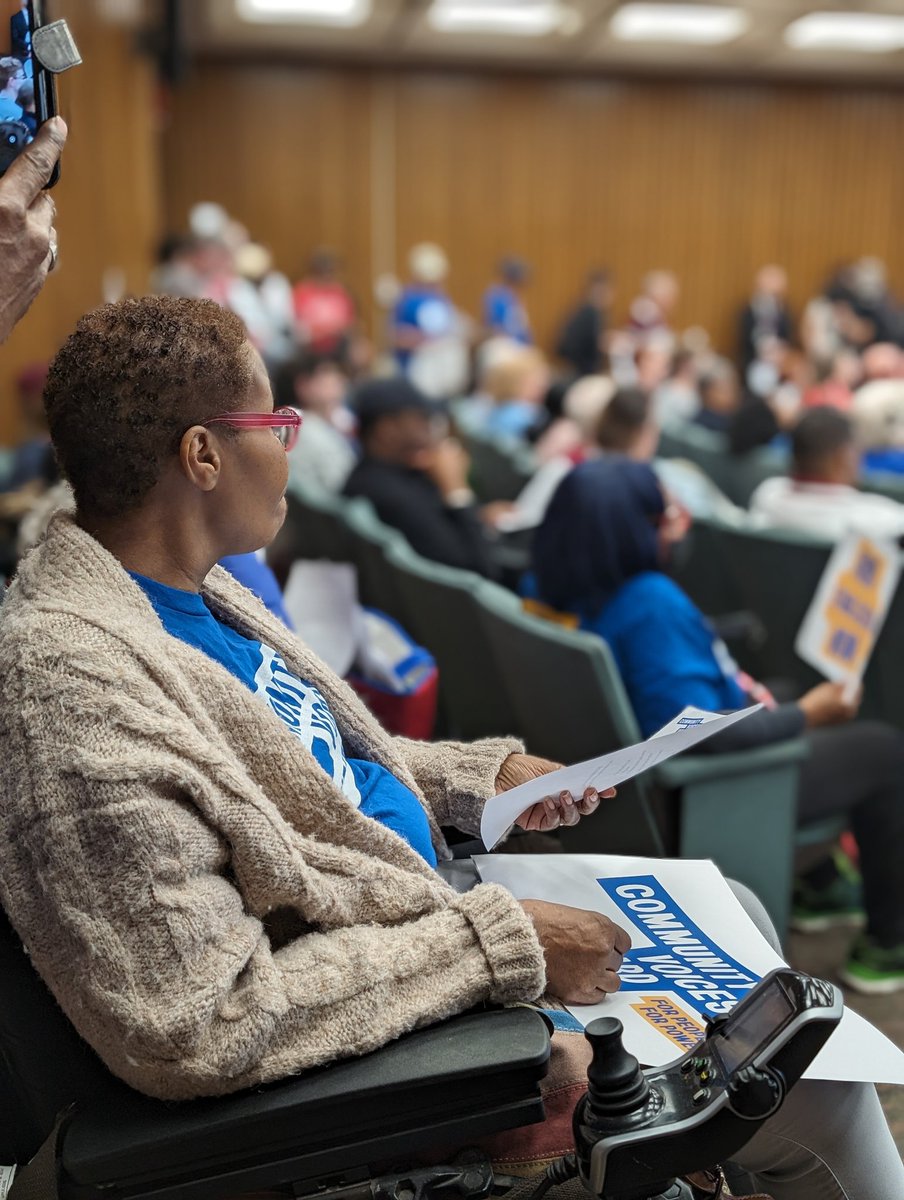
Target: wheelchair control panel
637,1130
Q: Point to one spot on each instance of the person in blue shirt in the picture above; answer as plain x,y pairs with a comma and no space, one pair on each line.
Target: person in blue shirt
601,553
504,314
424,312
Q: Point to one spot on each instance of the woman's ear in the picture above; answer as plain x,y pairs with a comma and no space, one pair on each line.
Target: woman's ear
199,458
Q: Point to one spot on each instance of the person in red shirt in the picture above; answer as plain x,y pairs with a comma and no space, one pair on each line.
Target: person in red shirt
324,309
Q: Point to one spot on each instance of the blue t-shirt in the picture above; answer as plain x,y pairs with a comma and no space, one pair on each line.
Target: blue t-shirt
666,651
884,460
300,705
513,419
255,575
504,313
429,310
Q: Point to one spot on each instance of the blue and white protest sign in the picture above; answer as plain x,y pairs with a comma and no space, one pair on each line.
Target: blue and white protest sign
694,954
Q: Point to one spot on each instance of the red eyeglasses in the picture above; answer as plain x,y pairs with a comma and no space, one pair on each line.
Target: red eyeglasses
285,423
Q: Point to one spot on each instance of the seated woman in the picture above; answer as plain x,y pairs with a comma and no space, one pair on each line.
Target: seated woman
601,553
220,864
223,868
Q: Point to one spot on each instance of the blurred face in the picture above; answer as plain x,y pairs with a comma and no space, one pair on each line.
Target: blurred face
722,395
536,384
652,366
772,281
250,504
405,439
322,392
601,293
882,361
663,290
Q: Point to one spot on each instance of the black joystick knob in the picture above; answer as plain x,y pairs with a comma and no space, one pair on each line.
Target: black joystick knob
616,1084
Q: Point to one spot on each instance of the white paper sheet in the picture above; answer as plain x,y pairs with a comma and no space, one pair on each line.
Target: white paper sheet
322,600
694,894
691,726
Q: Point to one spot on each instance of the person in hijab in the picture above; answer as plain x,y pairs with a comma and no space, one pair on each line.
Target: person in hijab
601,553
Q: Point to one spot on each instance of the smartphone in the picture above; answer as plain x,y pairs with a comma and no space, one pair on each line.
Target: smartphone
27,89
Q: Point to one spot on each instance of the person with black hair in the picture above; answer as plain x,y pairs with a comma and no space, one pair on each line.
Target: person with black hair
416,477
720,397
820,496
580,341
626,425
323,456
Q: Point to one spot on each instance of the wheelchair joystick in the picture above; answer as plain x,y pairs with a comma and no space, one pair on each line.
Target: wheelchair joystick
619,1099
617,1088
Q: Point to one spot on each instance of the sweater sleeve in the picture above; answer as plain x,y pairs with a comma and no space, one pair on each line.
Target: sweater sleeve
457,778
135,909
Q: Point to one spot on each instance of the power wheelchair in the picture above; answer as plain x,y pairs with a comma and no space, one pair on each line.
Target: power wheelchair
331,1132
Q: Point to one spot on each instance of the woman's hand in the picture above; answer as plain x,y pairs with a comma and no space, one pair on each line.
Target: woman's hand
830,704
552,811
583,951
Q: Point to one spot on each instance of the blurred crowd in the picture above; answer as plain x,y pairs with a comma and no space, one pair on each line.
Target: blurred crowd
608,385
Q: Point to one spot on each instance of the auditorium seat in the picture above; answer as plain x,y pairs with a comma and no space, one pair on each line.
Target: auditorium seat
314,528
370,539
441,611
775,574
500,467
737,475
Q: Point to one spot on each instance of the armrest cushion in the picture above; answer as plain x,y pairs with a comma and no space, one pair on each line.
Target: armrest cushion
688,769
471,1066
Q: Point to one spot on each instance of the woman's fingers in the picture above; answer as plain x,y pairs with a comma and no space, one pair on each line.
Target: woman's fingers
562,809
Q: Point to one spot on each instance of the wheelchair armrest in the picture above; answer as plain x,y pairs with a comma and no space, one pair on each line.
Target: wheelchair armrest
689,769
463,1079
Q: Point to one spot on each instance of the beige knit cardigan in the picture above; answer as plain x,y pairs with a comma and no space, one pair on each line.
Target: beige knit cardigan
208,908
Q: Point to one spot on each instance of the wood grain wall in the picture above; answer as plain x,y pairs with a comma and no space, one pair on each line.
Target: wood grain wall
108,199
710,180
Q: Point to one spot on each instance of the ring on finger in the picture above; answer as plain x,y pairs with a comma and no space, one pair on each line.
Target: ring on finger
52,255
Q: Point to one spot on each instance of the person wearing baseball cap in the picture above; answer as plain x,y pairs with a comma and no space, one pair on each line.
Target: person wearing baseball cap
416,476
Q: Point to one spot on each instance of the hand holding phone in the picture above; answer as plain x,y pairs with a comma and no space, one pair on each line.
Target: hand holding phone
27,236
38,52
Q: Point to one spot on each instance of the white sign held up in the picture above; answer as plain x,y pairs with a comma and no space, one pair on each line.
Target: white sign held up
851,602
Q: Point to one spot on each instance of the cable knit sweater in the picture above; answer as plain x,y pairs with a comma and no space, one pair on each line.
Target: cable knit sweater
206,906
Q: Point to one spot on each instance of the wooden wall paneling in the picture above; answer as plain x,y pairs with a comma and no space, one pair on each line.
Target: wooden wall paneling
286,151
710,180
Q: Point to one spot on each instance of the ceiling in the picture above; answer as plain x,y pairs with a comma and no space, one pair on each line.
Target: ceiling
398,32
